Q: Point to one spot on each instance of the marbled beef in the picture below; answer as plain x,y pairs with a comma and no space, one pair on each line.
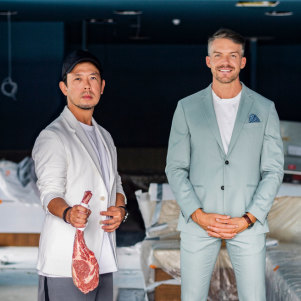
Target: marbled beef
85,269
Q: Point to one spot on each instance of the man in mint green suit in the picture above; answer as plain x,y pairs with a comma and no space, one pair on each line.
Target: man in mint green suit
224,165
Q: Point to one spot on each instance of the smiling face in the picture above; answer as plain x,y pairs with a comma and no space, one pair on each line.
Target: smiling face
225,61
84,87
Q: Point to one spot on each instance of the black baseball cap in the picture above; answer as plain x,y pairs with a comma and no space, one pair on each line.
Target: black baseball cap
76,57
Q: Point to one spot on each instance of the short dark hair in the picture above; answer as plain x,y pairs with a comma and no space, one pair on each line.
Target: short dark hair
225,33
77,57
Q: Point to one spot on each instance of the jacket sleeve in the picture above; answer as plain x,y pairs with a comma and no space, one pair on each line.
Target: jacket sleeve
271,168
119,188
178,165
50,166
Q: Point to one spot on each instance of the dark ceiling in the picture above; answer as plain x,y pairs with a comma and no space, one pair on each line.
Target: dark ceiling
197,18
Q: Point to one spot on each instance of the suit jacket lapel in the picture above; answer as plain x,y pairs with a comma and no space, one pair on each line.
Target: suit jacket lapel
82,137
209,112
244,108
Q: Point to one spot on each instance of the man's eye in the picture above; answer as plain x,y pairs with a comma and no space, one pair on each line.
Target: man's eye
234,56
93,77
77,78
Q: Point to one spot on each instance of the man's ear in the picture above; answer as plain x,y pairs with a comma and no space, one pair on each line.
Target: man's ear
63,87
208,61
103,83
243,62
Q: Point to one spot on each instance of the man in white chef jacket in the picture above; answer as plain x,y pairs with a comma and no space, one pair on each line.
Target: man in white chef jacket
72,155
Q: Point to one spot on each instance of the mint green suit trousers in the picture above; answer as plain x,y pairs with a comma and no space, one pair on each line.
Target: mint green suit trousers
198,257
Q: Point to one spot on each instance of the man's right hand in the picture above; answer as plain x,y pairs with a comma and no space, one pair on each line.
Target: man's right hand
78,216
216,225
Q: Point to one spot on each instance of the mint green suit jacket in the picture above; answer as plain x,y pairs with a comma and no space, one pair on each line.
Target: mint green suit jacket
201,175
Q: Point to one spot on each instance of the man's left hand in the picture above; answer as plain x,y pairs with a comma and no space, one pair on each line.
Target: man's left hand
116,216
240,222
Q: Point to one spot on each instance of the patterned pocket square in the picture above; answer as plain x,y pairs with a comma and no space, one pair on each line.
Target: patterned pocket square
253,118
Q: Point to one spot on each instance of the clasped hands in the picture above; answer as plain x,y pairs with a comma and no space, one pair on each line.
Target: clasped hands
218,225
78,216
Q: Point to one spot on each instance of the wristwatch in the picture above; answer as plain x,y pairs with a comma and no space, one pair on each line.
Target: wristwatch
126,213
248,220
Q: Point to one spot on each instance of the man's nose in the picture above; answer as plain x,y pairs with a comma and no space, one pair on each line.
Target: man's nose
87,84
225,59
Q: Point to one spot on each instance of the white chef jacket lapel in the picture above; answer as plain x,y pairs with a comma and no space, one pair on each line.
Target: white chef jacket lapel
82,137
109,150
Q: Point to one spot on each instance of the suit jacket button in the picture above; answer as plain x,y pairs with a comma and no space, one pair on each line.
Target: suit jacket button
223,187
226,162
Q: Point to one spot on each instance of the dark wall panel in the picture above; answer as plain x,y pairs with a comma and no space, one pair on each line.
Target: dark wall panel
143,85
37,51
279,78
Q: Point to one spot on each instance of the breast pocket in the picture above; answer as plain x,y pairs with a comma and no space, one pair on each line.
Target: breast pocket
253,125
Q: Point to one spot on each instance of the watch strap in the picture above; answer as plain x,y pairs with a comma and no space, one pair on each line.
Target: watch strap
65,214
248,220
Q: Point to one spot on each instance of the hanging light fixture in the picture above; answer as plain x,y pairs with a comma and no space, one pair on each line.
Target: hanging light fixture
257,3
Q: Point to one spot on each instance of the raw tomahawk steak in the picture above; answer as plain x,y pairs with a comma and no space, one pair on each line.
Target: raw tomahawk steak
85,269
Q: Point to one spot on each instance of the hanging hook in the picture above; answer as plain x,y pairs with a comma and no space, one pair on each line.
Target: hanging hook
8,87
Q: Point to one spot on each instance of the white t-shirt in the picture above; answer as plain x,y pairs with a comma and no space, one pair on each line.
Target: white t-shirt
225,112
107,262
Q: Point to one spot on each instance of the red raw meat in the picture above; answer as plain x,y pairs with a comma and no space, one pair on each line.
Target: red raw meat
85,269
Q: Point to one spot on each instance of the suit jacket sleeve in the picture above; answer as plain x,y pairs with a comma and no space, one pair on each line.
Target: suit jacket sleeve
271,168
178,165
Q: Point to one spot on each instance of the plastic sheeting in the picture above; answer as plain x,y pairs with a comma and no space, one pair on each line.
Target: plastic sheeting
165,254
20,206
160,216
148,259
284,219
18,258
283,273
18,182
